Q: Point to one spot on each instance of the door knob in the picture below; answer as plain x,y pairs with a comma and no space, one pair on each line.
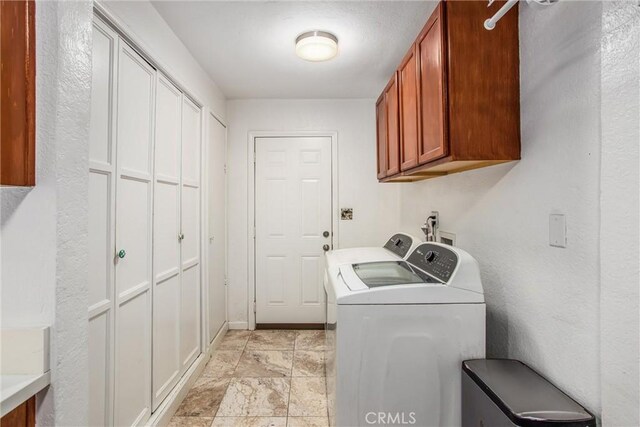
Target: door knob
325,234
121,253
325,247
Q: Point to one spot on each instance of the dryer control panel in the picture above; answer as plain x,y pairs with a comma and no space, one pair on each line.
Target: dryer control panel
435,260
399,244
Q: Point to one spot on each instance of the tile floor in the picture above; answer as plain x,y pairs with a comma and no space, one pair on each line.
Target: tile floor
267,378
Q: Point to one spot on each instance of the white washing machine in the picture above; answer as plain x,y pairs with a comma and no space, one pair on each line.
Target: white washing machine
397,333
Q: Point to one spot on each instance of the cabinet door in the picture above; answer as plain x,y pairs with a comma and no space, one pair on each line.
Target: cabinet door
381,134
393,130
432,85
409,130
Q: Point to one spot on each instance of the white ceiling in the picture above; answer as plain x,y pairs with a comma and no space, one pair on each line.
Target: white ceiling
248,47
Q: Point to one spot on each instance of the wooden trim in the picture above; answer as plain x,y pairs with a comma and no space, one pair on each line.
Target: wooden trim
305,326
18,93
23,415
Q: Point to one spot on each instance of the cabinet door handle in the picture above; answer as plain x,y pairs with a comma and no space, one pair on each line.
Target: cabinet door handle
122,253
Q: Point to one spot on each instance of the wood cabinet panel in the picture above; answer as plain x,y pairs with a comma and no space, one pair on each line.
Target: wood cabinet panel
22,416
17,94
393,126
483,82
381,134
433,106
409,130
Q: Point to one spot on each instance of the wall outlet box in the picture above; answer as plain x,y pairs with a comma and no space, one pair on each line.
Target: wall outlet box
557,230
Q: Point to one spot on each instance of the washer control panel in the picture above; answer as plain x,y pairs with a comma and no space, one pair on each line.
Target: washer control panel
435,260
399,244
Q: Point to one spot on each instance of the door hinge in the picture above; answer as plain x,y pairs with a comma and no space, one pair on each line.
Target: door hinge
225,169
254,232
254,157
254,307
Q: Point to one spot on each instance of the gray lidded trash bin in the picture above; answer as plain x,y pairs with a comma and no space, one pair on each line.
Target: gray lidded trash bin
504,392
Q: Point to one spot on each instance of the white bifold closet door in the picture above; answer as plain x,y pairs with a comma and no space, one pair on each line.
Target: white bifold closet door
166,241
102,163
190,234
177,292
145,289
134,207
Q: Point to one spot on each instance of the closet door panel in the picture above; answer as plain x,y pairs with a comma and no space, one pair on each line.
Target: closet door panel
134,201
101,223
190,325
190,247
166,246
133,381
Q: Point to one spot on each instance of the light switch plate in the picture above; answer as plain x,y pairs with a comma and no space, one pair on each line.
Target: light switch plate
557,230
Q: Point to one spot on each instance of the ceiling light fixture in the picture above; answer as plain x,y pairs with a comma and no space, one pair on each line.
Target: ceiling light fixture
316,46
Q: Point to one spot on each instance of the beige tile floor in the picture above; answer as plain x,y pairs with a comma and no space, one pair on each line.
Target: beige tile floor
262,379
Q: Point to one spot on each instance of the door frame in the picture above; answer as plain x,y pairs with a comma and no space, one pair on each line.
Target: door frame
251,209
207,339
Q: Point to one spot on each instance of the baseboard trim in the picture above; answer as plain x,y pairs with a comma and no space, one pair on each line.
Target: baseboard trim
311,326
168,408
239,325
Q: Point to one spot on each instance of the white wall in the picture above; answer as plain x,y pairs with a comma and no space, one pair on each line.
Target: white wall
375,214
44,229
542,302
619,257
151,32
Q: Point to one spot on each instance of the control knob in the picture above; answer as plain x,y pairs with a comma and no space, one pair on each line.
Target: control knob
430,256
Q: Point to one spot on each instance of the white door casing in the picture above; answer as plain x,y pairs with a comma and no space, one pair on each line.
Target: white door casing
216,225
166,246
190,232
102,163
293,208
134,202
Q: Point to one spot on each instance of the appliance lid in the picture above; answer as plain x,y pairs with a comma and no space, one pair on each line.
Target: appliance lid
375,274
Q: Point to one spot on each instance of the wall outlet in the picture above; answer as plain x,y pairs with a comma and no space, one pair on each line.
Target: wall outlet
557,230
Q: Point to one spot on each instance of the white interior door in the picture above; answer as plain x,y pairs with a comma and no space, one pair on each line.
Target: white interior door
102,224
190,231
166,245
216,212
292,214
134,201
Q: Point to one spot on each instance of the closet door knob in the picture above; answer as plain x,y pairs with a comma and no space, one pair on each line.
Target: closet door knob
122,253
325,247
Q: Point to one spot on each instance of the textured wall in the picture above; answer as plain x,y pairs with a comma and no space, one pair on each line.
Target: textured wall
375,215
619,257
44,229
542,302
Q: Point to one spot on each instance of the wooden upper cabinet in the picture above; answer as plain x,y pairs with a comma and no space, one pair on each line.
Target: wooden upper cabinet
409,127
381,135
17,93
458,94
432,87
393,126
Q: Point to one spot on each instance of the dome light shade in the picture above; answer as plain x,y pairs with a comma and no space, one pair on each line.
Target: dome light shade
316,46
